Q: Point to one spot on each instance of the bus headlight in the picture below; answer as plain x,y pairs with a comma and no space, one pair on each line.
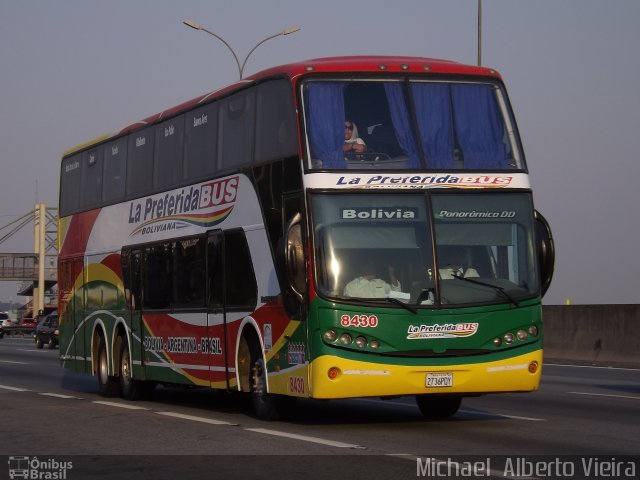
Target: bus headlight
345,339
522,334
361,341
330,335
508,338
533,330
375,344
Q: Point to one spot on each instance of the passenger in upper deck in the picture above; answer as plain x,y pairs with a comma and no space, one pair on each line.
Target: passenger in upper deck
352,143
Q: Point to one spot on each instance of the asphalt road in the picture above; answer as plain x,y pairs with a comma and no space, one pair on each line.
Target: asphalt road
53,414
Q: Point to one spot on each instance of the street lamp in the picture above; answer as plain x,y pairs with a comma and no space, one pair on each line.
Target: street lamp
479,32
197,26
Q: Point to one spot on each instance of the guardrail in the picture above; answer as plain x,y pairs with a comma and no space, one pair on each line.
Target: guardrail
592,334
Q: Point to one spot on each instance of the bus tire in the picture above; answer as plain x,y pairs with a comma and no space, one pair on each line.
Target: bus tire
128,386
265,405
438,406
107,385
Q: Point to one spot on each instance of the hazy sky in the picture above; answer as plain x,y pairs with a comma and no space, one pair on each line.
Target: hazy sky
71,70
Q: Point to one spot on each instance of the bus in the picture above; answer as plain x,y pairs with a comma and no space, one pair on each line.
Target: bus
328,229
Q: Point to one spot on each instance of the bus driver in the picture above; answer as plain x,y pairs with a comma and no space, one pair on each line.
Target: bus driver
368,285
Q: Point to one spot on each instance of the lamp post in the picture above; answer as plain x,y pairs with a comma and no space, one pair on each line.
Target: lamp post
479,32
197,26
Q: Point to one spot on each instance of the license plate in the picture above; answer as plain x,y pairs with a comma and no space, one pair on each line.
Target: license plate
440,379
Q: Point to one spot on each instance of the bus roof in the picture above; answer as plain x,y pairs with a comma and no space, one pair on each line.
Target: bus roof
352,64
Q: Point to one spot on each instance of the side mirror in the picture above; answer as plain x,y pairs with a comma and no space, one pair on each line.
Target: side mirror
294,258
546,251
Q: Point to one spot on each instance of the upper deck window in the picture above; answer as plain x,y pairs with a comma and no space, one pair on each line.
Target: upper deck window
409,125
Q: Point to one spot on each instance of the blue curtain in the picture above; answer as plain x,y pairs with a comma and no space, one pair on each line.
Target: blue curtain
402,124
325,101
433,106
479,126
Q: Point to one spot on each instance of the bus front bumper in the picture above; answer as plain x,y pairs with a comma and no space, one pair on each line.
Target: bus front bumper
335,377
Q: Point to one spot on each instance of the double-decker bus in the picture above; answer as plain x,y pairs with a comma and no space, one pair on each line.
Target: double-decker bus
334,228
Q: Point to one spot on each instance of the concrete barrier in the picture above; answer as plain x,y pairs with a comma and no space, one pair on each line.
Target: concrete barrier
592,334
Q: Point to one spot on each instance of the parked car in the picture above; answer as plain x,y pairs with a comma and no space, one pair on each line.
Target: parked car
28,323
3,317
47,331
6,324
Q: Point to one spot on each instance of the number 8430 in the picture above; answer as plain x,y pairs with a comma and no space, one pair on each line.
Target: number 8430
359,321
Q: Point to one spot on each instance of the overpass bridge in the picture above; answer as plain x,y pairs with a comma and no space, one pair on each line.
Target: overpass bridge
24,267
37,268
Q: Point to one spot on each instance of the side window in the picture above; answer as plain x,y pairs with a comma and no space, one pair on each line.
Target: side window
231,281
91,177
215,270
140,162
167,168
276,132
70,184
130,263
237,121
157,276
114,171
240,280
201,141
67,280
189,273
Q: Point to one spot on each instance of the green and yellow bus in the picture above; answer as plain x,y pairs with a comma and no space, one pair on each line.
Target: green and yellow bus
334,228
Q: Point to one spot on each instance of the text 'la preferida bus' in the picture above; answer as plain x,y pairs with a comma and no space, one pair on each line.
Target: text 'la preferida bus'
334,228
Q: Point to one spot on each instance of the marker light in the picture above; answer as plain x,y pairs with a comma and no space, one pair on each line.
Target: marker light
361,341
533,367
333,373
508,338
330,335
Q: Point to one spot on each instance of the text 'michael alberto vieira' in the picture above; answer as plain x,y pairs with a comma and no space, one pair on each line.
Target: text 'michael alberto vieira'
521,467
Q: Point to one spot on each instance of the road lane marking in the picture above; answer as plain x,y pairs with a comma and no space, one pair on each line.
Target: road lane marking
605,395
59,395
14,389
590,366
471,412
304,438
120,405
193,418
503,415
14,362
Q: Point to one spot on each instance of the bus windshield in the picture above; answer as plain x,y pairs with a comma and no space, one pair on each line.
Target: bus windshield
415,124
438,248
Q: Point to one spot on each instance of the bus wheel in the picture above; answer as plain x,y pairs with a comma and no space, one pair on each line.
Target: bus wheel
264,404
107,385
438,406
128,386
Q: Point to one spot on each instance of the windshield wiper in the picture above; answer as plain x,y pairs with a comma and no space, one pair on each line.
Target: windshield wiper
495,287
402,304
